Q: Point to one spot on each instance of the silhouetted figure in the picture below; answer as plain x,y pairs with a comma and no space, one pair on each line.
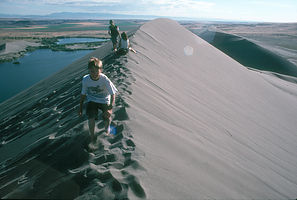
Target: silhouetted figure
114,32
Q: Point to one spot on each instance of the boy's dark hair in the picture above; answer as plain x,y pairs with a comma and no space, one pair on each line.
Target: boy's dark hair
94,62
124,36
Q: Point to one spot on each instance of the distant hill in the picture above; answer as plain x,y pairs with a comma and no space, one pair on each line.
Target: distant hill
72,15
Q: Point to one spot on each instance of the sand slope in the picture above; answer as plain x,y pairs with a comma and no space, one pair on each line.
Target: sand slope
192,123
208,127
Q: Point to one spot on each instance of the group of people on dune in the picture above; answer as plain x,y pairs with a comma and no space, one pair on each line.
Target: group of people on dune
120,42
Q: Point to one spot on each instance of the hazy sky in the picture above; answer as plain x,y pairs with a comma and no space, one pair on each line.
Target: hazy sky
243,10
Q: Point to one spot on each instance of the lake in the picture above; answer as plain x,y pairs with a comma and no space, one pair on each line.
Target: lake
33,67
79,40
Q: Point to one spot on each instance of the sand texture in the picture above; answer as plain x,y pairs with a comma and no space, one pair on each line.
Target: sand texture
192,123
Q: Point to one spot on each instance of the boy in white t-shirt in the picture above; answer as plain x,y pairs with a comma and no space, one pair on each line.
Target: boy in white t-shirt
100,93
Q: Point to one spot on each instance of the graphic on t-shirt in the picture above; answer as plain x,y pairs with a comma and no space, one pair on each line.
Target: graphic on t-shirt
97,92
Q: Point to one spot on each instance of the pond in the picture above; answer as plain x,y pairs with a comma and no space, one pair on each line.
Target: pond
32,68
79,40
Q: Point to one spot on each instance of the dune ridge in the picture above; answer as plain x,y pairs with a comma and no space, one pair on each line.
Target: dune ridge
192,123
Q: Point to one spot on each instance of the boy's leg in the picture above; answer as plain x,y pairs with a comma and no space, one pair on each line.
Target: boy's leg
107,125
114,43
107,120
92,129
92,112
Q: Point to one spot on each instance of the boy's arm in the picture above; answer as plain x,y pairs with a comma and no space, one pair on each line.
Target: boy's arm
118,30
82,99
112,101
120,43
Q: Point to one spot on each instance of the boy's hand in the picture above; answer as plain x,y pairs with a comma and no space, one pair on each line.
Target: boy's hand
80,112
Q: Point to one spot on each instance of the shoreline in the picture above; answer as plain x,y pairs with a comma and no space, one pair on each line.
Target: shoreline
44,33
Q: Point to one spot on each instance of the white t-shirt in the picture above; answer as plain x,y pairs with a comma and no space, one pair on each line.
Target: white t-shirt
98,91
124,44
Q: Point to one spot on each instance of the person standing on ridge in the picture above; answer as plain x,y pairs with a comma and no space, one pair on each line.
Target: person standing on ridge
100,93
114,32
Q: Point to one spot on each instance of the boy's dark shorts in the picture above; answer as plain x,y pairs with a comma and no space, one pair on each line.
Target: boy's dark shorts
122,51
92,109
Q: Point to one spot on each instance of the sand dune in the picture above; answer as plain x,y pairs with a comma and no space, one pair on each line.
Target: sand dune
209,127
192,123
249,54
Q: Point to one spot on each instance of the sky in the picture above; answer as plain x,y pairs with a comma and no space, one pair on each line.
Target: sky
234,10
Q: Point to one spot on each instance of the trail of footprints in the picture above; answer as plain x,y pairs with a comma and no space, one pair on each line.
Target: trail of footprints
112,165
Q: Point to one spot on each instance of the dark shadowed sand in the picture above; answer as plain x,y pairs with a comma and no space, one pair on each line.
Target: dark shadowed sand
192,123
249,53
277,39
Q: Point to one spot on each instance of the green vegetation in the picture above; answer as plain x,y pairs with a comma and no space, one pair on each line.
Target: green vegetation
51,43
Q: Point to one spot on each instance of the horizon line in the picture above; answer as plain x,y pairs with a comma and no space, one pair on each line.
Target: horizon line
129,16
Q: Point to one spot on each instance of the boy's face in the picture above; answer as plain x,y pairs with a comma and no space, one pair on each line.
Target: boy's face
94,72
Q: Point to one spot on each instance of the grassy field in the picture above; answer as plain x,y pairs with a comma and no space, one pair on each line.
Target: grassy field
53,27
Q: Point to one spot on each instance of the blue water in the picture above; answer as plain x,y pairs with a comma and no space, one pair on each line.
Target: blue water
79,40
33,67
